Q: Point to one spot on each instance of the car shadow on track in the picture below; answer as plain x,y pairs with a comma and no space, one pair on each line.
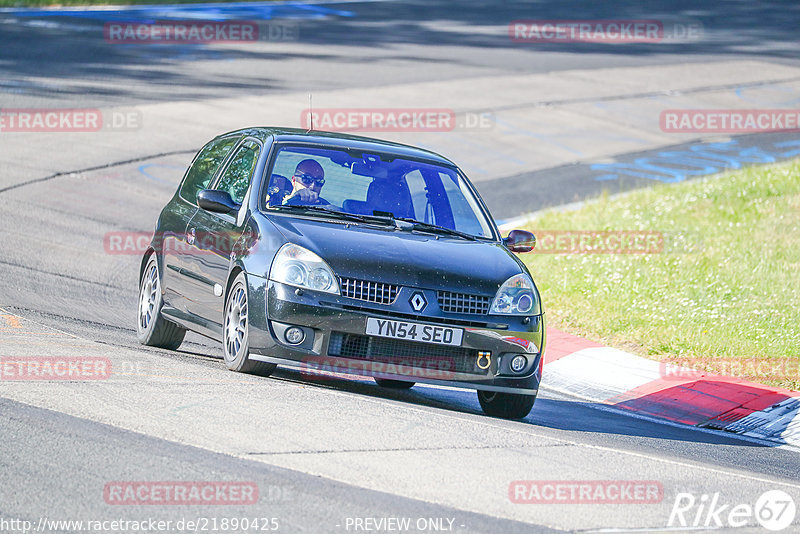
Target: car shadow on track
552,410
566,415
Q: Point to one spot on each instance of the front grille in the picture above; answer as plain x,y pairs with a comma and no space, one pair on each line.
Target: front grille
463,303
376,292
404,353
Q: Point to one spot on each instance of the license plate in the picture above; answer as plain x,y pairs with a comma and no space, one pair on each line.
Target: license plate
425,333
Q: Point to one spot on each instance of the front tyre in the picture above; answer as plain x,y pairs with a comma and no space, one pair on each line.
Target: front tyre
506,405
235,338
152,328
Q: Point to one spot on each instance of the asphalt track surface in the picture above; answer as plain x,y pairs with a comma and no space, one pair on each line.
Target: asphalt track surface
322,452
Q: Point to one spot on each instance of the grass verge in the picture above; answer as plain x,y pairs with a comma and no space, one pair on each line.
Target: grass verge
724,293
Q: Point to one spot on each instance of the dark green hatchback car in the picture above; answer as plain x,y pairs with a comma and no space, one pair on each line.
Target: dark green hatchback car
343,254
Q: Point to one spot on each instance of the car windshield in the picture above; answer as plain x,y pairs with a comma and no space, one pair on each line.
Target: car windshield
374,184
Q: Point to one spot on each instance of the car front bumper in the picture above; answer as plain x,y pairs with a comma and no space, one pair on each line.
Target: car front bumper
335,341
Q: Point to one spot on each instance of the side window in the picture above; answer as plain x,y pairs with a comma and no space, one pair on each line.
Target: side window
236,177
205,166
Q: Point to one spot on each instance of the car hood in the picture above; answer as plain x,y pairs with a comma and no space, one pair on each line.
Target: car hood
405,258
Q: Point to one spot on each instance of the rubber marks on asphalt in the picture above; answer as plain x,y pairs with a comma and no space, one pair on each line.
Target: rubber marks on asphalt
12,325
11,321
609,376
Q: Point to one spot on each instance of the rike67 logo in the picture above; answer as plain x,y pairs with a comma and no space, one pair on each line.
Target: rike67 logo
774,510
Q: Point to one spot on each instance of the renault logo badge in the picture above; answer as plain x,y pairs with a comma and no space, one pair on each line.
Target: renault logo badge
418,301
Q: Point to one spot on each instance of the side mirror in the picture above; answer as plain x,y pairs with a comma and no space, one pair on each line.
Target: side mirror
520,241
216,201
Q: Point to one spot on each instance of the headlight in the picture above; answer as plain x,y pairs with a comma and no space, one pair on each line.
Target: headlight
515,296
296,266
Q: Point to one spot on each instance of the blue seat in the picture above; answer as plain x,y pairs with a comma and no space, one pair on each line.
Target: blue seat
389,196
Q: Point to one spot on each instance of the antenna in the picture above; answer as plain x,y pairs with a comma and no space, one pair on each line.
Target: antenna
310,113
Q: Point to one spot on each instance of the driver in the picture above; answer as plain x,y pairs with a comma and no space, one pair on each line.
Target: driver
307,182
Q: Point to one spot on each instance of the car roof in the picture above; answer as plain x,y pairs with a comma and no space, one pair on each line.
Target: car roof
339,140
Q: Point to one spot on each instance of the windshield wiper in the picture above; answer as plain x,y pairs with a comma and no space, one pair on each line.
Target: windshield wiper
338,214
378,219
433,228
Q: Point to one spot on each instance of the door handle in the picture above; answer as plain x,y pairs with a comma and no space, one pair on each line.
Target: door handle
190,237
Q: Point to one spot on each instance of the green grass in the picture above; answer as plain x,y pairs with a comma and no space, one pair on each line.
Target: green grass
726,287
51,3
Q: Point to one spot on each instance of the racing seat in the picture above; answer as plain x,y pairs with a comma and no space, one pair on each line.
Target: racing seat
389,196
